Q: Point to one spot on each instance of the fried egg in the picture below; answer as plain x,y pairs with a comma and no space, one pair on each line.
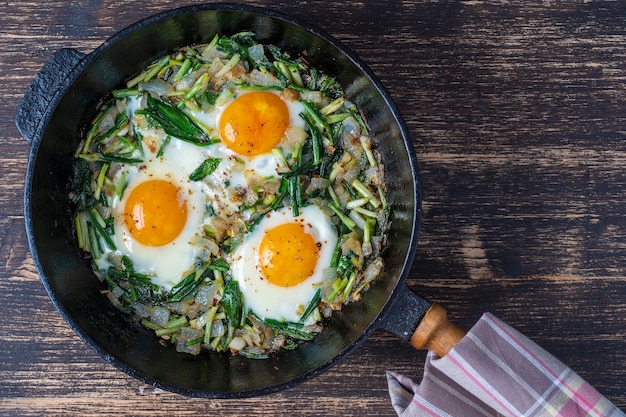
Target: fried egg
279,264
249,126
159,212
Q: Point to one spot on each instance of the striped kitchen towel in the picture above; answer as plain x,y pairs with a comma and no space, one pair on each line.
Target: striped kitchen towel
497,371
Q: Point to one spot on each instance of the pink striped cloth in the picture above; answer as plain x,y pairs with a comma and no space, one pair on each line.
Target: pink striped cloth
496,371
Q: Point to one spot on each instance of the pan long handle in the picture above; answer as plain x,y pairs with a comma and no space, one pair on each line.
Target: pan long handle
423,324
435,332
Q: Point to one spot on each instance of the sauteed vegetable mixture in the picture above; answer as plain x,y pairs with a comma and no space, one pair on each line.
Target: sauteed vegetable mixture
231,198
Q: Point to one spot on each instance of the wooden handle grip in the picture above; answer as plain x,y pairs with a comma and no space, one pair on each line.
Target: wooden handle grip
435,332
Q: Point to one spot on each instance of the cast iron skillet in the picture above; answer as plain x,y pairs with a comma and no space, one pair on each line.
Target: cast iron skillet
62,100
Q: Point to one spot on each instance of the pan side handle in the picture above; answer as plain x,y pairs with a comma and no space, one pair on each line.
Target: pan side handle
423,324
37,103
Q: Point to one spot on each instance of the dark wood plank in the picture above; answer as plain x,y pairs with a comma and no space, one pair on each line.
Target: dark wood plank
517,113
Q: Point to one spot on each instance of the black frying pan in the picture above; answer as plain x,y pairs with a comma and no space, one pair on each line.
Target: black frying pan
62,100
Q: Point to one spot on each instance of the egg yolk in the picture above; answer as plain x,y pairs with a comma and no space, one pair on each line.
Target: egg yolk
254,123
154,213
288,255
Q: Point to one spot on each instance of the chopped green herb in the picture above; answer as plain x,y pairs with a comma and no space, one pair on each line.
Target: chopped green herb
206,168
174,121
232,302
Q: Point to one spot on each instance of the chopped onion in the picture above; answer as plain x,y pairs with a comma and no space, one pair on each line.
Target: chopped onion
313,96
218,329
160,316
237,343
108,121
316,184
373,270
265,79
350,127
156,87
329,275
140,309
205,295
294,136
256,51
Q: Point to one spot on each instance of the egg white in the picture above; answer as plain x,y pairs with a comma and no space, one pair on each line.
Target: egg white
268,300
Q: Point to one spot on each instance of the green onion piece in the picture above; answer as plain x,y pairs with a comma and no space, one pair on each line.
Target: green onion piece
349,285
280,158
295,76
164,144
316,141
332,107
344,219
215,343
175,122
368,230
383,199
126,92
100,224
212,43
295,195
209,324
94,241
296,155
82,232
224,97
356,203
365,192
365,212
366,143
336,118
149,73
219,265
358,119
172,327
177,322
333,195
254,354
100,181
182,70
150,325
312,111
120,159
350,189
199,86
341,284
194,341
282,192
284,70
294,330
232,302
334,260
345,265
312,305
188,285
207,167
234,60
357,219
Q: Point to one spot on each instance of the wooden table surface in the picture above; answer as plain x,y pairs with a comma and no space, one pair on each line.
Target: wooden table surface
518,116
